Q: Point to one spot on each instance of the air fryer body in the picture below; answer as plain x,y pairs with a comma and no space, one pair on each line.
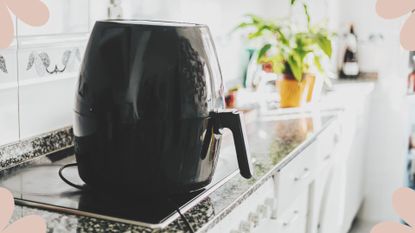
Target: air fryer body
144,104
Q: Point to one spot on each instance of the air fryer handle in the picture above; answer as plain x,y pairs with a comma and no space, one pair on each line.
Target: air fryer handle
233,120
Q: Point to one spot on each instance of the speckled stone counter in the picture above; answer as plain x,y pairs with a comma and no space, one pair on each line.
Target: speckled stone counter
274,142
16,153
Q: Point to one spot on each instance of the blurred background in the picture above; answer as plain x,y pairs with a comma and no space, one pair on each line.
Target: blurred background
38,72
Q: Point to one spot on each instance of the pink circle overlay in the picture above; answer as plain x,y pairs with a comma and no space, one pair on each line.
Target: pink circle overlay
31,223
31,12
391,9
404,205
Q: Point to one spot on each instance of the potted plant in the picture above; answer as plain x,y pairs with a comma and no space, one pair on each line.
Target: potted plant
291,54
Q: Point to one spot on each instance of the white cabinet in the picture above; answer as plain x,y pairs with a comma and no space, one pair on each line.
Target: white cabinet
344,188
355,131
324,211
252,215
295,178
282,204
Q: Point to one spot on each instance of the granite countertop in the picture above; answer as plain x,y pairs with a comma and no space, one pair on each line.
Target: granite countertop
274,142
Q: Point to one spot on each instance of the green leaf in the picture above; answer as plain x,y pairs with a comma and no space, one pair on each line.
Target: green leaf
255,19
283,39
295,68
325,44
257,34
318,64
244,25
263,51
307,14
293,2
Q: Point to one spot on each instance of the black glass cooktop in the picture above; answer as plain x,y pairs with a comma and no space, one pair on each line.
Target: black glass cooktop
37,184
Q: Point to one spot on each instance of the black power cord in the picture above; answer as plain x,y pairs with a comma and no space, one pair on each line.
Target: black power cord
80,187
185,221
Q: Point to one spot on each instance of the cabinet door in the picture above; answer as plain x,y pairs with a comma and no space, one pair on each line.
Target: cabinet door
295,178
47,76
327,155
293,220
354,177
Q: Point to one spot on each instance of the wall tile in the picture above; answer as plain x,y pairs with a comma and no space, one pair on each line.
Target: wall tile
9,118
45,58
98,11
68,16
48,69
8,65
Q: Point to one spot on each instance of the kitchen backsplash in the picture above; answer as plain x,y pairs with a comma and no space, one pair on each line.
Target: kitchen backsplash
38,72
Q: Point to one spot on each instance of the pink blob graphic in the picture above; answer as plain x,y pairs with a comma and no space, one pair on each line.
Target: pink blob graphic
32,223
408,34
32,12
390,9
404,205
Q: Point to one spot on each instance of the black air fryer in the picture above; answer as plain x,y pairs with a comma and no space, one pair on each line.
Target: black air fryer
150,109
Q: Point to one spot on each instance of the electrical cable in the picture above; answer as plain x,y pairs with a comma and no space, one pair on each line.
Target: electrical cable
185,221
66,180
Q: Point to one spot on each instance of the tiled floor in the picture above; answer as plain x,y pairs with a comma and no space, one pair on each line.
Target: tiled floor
362,227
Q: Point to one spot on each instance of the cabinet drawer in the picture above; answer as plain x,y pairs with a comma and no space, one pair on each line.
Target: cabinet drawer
294,179
252,214
328,140
293,220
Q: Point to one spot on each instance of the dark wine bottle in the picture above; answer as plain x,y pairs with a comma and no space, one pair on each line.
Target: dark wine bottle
350,67
411,76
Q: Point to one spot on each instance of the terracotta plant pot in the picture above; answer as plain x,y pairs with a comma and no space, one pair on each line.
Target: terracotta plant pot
310,80
291,91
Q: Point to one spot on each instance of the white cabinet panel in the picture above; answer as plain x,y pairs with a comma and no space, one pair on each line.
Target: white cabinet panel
252,215
9,119
327,156
68,16
295,178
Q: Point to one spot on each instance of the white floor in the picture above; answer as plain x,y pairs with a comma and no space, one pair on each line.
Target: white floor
362,227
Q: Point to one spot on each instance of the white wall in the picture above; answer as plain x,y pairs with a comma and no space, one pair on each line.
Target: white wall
222,17
388,132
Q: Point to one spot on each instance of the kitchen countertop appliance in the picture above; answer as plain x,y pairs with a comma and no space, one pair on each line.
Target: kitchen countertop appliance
150,109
